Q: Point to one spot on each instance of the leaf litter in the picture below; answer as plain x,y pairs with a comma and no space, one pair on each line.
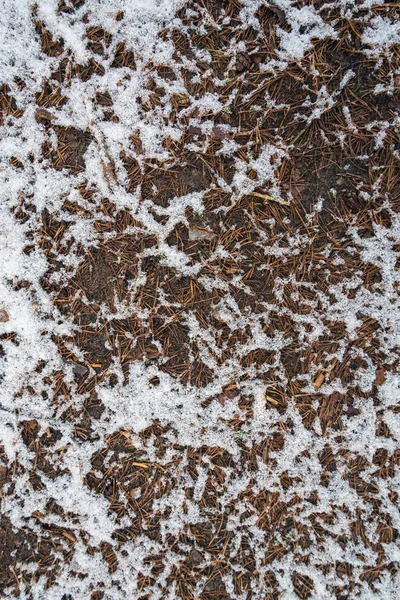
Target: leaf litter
199,345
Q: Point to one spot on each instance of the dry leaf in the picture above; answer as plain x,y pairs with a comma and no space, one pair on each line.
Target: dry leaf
4,316
319,381
199,111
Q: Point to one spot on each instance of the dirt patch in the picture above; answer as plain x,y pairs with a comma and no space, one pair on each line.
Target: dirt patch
17,546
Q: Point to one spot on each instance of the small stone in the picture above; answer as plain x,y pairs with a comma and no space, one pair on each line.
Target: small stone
79,370
319,381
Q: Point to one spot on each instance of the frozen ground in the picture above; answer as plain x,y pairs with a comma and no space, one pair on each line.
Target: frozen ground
199,299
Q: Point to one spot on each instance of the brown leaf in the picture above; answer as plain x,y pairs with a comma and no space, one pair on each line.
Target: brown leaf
199,111
4,316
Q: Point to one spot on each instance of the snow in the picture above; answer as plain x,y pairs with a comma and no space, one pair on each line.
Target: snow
134,405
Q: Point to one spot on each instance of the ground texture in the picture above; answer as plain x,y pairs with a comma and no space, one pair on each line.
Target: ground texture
199,299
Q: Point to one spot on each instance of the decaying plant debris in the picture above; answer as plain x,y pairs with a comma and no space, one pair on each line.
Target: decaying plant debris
199,300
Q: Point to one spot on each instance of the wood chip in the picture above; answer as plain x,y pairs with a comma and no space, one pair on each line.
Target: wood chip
319,381
272,400
3,475
37,515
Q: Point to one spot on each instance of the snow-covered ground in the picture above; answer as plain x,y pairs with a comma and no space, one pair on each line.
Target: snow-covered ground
199,299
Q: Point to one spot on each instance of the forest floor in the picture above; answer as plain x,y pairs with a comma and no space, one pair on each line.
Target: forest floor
199,300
